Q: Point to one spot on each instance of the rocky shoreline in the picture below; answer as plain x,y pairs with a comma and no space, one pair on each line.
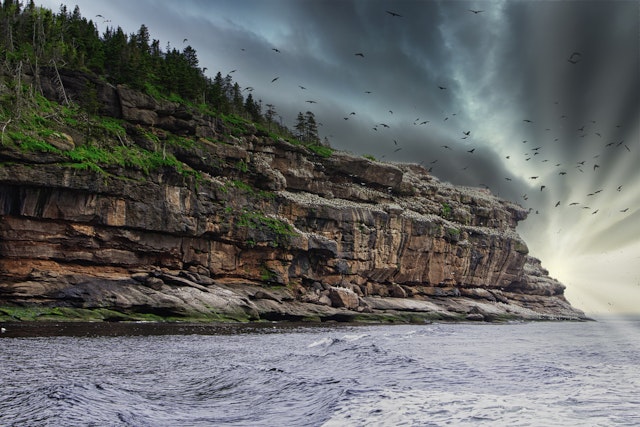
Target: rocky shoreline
256,229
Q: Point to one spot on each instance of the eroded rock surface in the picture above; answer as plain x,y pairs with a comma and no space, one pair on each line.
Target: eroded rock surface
267,231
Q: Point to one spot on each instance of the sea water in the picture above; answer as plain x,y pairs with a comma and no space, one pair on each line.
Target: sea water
439,374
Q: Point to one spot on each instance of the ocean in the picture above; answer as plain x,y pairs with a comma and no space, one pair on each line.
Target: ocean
437,374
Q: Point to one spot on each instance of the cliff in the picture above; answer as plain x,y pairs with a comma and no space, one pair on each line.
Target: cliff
231,223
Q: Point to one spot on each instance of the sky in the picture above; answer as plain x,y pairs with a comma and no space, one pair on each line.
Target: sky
548,92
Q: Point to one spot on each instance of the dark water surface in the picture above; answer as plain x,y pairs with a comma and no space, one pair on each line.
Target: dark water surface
516,374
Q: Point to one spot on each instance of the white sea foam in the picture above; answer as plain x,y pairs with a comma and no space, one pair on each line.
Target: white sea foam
322,342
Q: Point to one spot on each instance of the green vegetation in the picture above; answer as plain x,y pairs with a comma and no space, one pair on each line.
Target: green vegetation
369,156
95,158
255,220
29,143
267,275
446,210
320,150
71,314
46,42
248,189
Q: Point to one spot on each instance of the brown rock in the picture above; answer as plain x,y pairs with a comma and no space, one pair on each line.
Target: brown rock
259,210
343,297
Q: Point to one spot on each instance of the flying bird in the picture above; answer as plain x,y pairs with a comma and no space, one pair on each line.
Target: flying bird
557,204
467,132
446,146
394,14
527,120
311,102
595,166
575,57
359,54
624,210
441,87
542,187
476,11
276,78
619,188
533,177
471,151
302,87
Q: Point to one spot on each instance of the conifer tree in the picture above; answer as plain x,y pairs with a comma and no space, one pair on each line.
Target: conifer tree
252,109
269,115
311,127
301,127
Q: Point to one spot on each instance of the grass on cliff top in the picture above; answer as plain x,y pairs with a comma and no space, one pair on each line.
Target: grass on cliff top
97,158
106,144
101,142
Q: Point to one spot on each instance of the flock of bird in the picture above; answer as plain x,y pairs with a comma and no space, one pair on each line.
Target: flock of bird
532,155
578,167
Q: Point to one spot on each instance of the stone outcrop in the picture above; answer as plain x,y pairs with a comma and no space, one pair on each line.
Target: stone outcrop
265,230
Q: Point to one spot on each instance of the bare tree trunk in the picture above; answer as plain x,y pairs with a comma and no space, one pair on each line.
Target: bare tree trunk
58,82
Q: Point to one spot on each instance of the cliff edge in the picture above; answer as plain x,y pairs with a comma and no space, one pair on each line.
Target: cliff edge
224,221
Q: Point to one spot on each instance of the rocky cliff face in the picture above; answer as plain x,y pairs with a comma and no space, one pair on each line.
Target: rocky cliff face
263,230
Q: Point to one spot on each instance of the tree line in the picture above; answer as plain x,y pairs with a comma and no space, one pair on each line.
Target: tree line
32,37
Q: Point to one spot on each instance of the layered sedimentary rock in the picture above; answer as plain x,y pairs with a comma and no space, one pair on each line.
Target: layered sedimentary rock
265,230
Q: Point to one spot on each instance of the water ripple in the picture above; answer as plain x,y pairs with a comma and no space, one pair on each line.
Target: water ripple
552,374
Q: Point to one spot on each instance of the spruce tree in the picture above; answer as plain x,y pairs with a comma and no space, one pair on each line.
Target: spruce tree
301,127
311,128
